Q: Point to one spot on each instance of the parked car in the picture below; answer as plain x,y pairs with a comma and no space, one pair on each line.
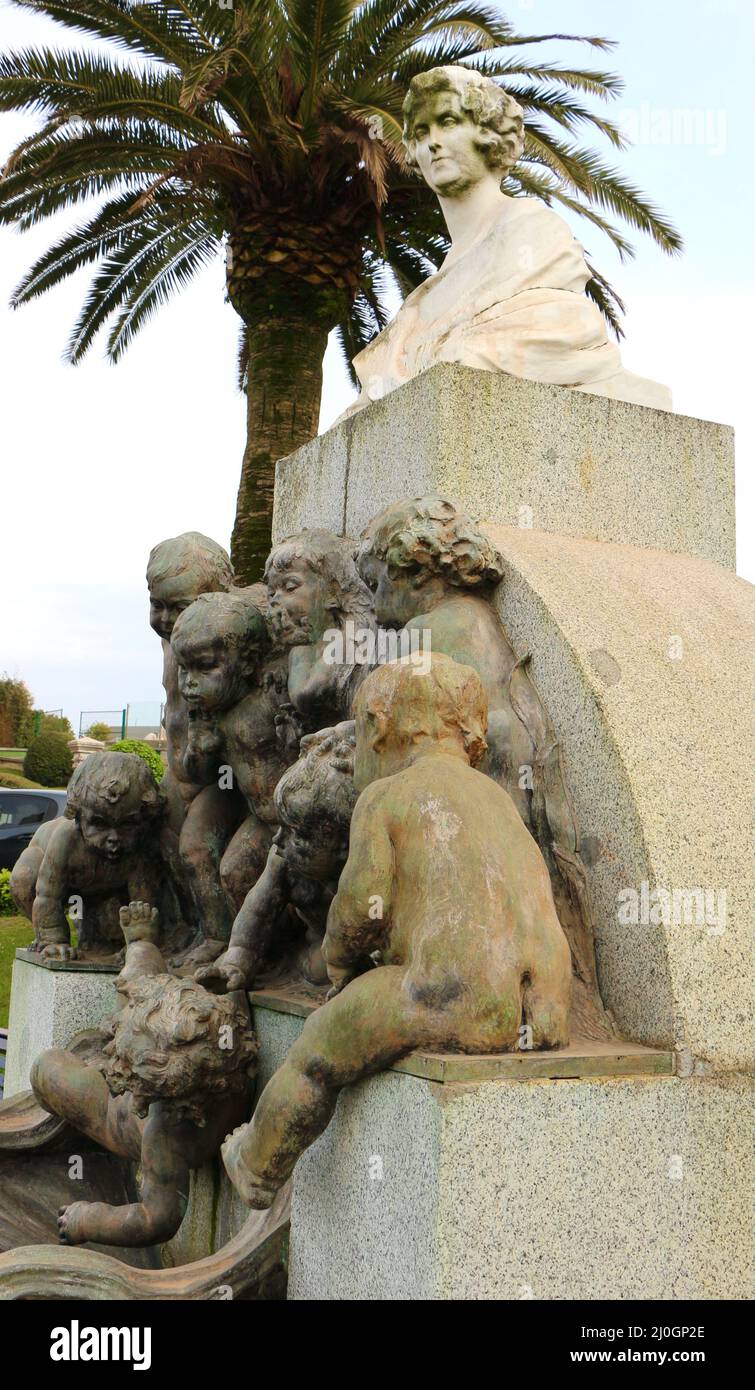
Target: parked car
22,811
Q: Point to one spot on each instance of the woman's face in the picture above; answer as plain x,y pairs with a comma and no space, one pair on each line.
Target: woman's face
445,145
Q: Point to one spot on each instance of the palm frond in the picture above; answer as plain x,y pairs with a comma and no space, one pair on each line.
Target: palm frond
167,270
608,301
164,32
583,170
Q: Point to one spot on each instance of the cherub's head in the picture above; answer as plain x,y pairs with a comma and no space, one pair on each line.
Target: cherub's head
460,127
314,800
178,571
414,552
174,1041
219,643
403,712
312,586
115,801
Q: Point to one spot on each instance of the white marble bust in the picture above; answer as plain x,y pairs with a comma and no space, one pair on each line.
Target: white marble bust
510,295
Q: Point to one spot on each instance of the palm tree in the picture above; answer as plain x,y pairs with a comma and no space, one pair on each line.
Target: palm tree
273,128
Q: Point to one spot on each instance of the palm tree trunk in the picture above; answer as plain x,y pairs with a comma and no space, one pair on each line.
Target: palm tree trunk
283,408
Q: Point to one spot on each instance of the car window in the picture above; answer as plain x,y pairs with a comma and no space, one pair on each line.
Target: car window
25,811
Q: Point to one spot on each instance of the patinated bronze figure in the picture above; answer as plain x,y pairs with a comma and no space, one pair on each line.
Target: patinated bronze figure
447,889
101,853
177,1070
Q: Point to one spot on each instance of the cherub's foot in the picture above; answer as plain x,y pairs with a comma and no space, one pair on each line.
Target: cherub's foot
203,954
250,1188
139,922
71,1223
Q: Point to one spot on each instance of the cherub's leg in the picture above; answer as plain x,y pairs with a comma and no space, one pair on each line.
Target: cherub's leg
211,820
365,1028
244,860
23,879
177,907
77,1093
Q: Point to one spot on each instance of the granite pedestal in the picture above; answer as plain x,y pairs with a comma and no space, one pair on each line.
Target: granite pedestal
616,526
586,1174
50,1001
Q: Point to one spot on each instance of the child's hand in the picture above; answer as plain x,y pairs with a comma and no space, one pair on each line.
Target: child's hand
140,922
57,950
288,731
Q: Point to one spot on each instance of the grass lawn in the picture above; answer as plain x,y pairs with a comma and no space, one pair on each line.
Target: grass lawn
14,932
14,779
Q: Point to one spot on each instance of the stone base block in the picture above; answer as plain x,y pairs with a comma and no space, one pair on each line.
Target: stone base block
593,1179
521,454
50,1001
628,1188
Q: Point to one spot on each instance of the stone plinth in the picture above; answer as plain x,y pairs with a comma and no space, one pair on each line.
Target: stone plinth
81,748
574,1189
639,648
641,659
519,452
50,1001
593,1173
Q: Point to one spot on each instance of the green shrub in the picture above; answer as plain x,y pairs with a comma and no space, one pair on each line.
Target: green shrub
7,906
150,755
100,731
48,760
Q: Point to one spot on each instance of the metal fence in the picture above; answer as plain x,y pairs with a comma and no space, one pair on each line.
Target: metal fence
115,719
143,720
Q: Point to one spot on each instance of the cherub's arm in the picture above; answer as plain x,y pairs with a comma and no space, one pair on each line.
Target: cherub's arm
251,931
360,912
165,1190
48,912
204,749
312,683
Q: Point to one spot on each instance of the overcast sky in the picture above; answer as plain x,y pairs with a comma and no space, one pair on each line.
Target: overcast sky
101,462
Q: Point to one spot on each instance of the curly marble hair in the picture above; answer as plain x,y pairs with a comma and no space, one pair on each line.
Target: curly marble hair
430,534
167,1044
332,558
191,553
498,117
105,779
448,698
320,786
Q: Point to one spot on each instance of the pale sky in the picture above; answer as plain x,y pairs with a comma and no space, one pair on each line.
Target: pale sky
101,462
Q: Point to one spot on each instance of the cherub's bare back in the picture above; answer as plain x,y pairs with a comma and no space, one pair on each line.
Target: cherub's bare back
472,895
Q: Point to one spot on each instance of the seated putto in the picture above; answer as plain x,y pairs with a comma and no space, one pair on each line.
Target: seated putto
446,888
